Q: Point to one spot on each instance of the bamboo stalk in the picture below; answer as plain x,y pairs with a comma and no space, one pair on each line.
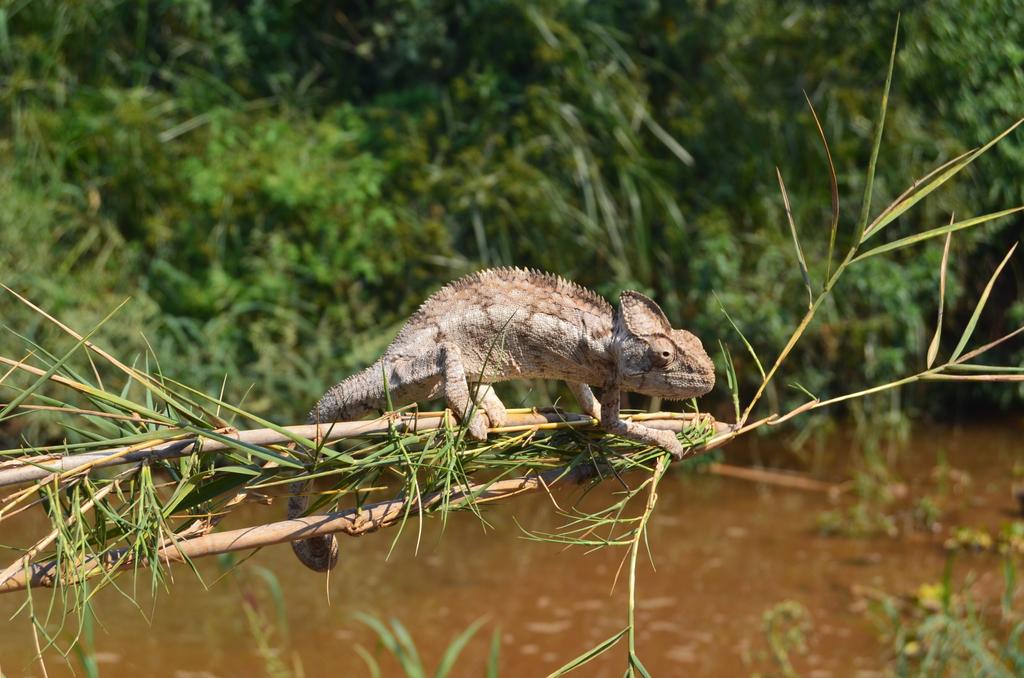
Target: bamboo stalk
351,522
29,470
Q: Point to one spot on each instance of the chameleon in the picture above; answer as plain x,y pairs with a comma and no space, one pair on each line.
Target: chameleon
512,323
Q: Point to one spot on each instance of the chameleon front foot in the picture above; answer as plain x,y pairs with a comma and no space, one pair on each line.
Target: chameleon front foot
632,430
667,441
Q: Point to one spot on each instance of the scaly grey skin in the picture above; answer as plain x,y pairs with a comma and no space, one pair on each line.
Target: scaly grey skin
510,323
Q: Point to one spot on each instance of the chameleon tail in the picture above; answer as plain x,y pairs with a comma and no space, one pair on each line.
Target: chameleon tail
317,553
353,398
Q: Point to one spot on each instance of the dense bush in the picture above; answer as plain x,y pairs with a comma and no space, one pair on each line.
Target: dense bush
277,185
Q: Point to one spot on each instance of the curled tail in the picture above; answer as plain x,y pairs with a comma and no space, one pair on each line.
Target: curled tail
353,398
317,553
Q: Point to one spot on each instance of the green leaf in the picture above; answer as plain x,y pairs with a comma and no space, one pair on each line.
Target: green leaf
384,635
590,654
371,664
990,345
731,381
922,187
143,378
100,396
796,240
833,188
492,658
750,349
667,139
865,208
55,367
969,330
451,654
933,348
276,595
218,486
409,657
935,232
300,440
635,663
256,450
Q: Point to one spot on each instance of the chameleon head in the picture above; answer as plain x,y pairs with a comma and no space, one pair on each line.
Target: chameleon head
654,359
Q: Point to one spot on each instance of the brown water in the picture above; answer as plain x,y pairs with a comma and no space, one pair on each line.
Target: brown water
725,551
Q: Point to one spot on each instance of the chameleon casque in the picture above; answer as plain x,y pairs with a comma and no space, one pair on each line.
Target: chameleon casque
511,323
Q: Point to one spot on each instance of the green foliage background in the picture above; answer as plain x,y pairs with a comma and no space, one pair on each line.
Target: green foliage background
277,185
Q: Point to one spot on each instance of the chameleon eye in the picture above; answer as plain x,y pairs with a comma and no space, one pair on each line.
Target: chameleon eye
661,351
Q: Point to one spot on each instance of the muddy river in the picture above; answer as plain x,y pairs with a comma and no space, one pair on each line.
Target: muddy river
724,552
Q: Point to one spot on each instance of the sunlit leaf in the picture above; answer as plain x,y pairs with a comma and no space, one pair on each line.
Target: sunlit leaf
865,208
590,654
936,232
796,240
933,347
833,185
454,649
973,322
930,182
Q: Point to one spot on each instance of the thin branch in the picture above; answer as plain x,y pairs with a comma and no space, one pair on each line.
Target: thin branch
30,469
351,522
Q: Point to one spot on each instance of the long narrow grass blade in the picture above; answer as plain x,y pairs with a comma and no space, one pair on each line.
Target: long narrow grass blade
55,367
750,349
635,663
91,391
15,366
494,655
66,372
144,379
796,240
933,347
833,188
454,649
371,664
934,179
865,208
305,442
409,656
590,654
670,142
910,191
936,232
973,322
992,344
243,446
731,381
384,636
